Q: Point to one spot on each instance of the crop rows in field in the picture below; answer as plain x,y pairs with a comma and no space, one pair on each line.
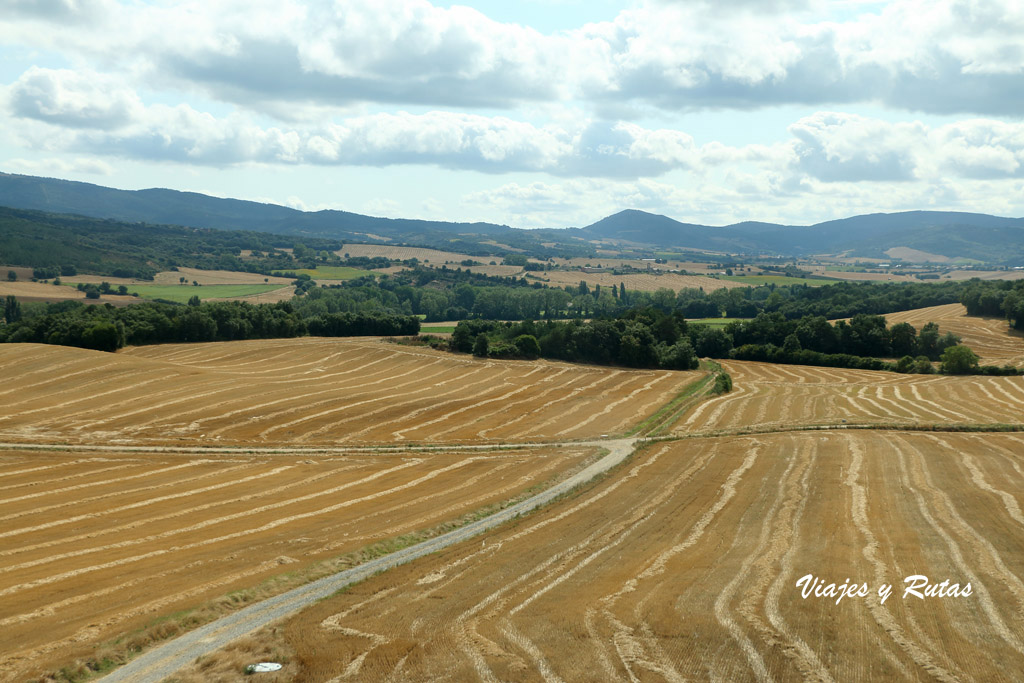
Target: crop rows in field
768,395
434,257
638,281
315,391
990,338
93,546
685,567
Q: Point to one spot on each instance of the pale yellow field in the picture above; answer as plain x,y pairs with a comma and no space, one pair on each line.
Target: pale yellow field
685,568
314,391
434,256
770,396
990,338
681,564
637,281
39,291
94,545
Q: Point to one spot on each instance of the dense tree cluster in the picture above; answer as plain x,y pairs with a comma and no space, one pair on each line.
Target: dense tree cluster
651,338
55,245
107,328
996,298
644,338
456,294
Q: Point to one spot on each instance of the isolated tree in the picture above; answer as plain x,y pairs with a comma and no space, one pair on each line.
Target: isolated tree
103,336
181,279
12,276
958,360
194,300
527,346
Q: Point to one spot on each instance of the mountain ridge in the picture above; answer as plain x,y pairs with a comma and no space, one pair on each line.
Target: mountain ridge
949,233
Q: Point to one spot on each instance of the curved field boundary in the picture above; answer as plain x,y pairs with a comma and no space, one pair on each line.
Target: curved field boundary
163,661
768,396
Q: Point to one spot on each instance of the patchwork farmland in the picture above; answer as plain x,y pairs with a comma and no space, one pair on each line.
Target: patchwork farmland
190,479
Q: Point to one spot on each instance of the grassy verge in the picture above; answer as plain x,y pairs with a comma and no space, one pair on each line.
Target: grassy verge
325,273
717,322
669,412
182,293
717,381
778,280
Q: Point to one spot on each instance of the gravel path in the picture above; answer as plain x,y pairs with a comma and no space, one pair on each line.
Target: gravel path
163,661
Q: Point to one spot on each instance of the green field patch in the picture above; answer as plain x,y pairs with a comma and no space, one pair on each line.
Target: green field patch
182,293
778,280
716,322
437,329
325,273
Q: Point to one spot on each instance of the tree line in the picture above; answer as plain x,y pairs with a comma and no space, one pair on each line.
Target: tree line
651,338
106,328
1002,298
455,294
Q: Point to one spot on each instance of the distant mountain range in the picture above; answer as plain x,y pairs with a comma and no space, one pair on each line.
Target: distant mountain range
944,233
948,234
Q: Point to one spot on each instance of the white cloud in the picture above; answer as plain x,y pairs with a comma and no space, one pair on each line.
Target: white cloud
834,146
74,99
275,55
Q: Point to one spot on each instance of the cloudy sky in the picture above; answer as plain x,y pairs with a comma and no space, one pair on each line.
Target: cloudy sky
536,113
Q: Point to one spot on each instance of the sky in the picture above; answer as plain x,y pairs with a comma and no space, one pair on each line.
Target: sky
536,113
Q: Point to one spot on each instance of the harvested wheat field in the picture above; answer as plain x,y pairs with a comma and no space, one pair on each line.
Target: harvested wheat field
433,257
685,567
98,544
770,396
314,392
44,291
637,281
990,338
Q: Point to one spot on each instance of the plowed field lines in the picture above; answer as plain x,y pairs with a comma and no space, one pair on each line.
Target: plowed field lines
315,391
765,398
990,338
109,543
685,567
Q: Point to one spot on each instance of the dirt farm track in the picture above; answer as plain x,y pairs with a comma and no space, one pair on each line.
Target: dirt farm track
145,492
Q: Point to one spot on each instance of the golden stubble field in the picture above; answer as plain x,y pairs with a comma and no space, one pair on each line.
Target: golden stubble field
95,545
681,564
990,338
684,567
771,396
314,392
128,516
